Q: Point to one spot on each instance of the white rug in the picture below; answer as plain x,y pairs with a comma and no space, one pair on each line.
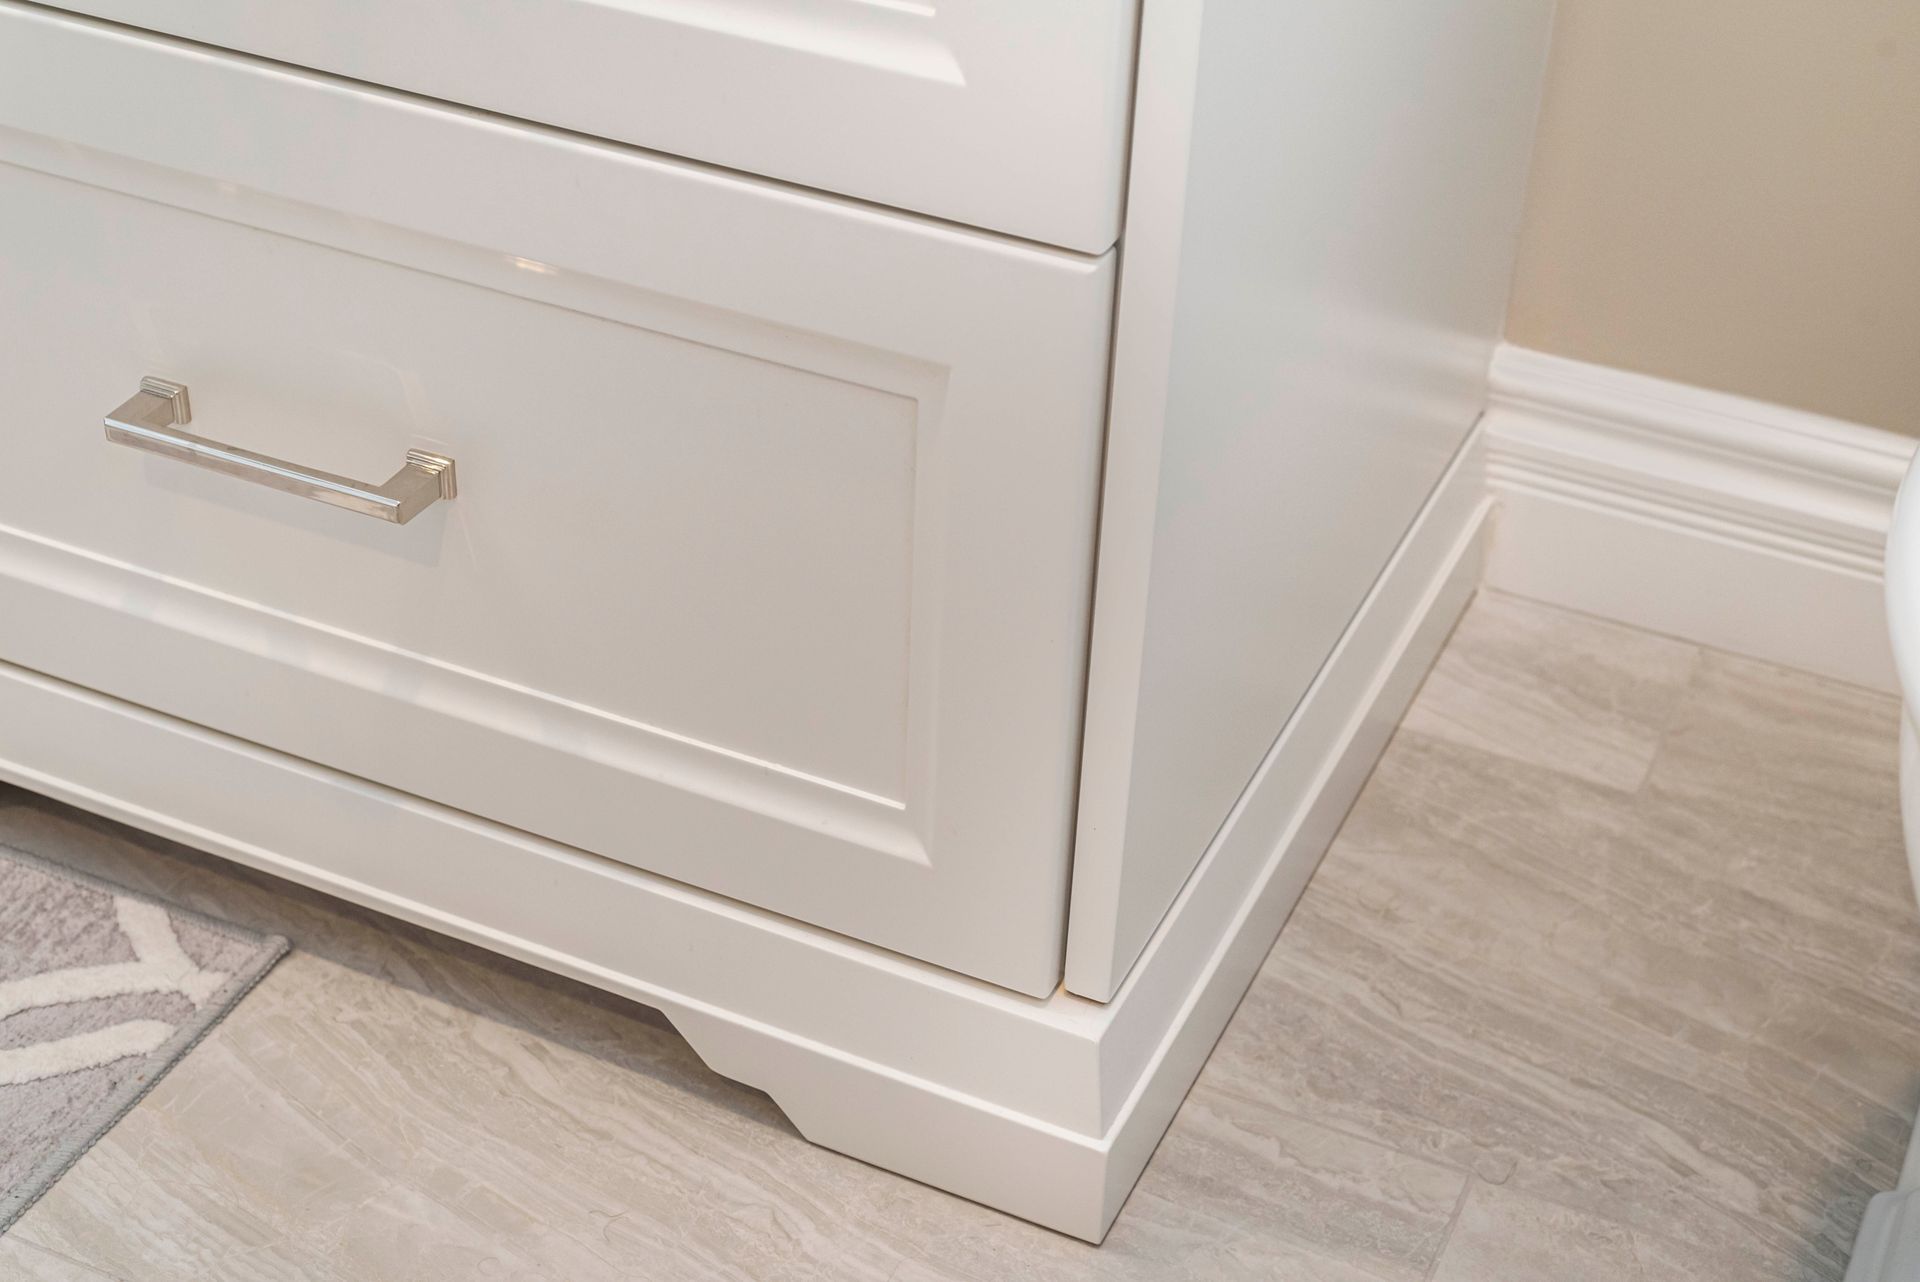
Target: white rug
101,991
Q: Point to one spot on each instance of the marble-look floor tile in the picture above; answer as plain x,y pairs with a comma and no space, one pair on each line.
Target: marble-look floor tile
1509,1235
1278,1196
1783,790
1560,985
1502,1234
21,1261
1555,688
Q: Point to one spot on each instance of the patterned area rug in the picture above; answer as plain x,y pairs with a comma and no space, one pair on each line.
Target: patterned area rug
101,991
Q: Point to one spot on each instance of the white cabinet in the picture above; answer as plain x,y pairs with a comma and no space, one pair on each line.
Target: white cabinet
1302,347
750,538
747,669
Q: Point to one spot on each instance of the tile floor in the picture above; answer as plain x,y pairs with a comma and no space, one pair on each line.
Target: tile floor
1613,973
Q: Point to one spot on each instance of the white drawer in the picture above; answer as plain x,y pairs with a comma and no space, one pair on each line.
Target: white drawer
770,564
1008,114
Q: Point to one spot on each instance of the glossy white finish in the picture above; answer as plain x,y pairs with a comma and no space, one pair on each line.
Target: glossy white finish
1729,522
1046,1108
1323,206
1009,114
769,568
1910,832
1887,1247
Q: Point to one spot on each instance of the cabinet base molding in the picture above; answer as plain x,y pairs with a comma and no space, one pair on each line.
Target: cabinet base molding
1047,1108
1729,522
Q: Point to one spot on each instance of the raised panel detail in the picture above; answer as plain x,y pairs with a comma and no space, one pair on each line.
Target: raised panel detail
705,542
763,575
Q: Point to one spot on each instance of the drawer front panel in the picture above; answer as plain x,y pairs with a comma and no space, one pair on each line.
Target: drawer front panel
706,541
768,567
1007,114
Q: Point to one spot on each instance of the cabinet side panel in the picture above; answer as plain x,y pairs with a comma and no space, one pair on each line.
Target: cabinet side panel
1325,199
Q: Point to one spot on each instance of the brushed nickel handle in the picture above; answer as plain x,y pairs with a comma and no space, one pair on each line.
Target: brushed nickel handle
150,421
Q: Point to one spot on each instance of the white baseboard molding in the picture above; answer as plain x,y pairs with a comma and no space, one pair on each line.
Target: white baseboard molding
1048,1108
1737,524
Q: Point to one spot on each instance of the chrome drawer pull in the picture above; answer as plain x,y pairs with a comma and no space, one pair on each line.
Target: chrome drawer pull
149,421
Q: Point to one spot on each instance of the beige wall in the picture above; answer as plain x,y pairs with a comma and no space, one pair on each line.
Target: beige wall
1727,193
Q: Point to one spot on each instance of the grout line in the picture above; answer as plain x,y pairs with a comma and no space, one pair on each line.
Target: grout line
91,1270
1453,1222
1669,721
1361,1137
